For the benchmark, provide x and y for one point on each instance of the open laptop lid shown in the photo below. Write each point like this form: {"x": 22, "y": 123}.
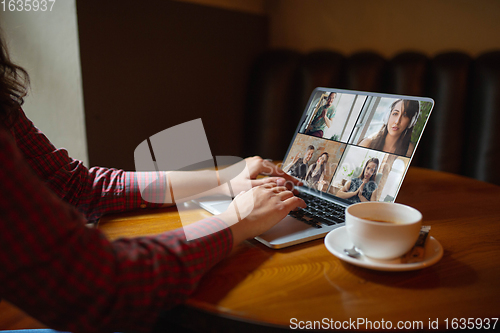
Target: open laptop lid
{"x": 345, "y": 135}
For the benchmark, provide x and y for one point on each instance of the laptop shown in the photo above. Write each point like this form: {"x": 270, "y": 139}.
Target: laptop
{"x": 349, "y": 146}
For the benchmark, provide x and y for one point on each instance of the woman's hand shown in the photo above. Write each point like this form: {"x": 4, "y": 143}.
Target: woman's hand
{"x": 253, "y": 212}
{"x": 241, "y": 176}
{"x": 256, "y": 166}
{"x": 360, "y": 190}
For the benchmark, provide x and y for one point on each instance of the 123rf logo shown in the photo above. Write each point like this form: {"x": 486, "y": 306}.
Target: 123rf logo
{"x": 27, "y": 5}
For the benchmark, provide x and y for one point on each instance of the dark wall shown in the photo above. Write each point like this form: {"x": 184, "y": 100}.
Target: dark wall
{"x": 147, "y": 66}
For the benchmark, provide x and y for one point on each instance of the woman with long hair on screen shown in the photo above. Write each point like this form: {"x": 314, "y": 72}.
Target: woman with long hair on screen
{"x": 316, "y": 172}
{"x": 395, "y": 134}
{"x": 364, "y": 187}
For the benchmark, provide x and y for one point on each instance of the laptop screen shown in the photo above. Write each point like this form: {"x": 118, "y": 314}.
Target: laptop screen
{"x": 355, "y": 145}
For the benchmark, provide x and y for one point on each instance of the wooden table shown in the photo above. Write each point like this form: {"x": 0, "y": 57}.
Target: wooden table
{"x": 263, "y": 286}
{"x": 258, "y": 286}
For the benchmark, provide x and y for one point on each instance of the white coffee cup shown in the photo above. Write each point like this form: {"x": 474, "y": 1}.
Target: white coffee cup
{"x": 382, "y": 230}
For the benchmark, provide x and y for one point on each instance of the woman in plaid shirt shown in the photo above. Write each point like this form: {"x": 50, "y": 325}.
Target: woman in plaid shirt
{"x": 73, "y": 278}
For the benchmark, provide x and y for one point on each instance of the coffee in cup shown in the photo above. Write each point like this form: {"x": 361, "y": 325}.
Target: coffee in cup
{"x": 382, "y": 230}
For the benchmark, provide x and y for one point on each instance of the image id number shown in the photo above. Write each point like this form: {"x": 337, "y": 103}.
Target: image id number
{"x": 471, "y": 323}
{"x": 27, "y": 5}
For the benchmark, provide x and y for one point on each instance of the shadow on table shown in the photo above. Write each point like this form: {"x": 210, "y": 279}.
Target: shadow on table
{"x": 185, "y": 319}
{"x": 440, "y": 274}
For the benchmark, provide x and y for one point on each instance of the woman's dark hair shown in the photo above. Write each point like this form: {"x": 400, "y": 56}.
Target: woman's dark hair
{"x": 374, "y": 160}
{"x": 410, "y": 109}
{"x": 14, "y": 82}
{"x": 323, "y": 166}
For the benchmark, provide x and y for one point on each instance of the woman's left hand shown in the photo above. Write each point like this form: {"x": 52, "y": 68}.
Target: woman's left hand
{"x": 256, "y": 166}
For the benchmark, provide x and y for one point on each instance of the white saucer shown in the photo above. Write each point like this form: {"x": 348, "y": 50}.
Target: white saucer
{"x": 337, "y": 240}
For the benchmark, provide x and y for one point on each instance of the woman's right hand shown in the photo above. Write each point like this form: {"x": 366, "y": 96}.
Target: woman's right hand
{"x": 360, "y": 190}
{"x": 253, "y": 212}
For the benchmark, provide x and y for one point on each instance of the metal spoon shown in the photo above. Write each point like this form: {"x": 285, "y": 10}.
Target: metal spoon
{"x": 352, "y": 252}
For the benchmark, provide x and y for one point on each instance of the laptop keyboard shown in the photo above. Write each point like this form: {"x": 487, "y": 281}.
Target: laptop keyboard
{"x": 319, "y": 212}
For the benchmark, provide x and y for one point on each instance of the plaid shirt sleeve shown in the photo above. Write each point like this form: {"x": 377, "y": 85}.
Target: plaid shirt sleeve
{"x": 93, "y": 191}
{"x": 72, "y": 277}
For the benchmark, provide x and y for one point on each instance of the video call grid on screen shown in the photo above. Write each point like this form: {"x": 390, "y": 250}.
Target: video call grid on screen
{"x": 361, "y": 130}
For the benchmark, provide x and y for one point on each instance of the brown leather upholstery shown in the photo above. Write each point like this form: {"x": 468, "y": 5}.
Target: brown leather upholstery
{"x": 482, "y": 156}
{"x": 462, "y": 134}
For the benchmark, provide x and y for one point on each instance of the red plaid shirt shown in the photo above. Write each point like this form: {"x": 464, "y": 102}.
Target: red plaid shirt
{"x": 69, "y": 276}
